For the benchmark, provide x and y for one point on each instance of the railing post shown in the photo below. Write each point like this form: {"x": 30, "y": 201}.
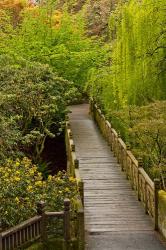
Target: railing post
{"x": 67, "y": 221}
{"x": 118, "y": 149}
{"x": 91, "y": 106}
{"x": 81, "y": 190}
{"x": 123, "y": 159}
{"x": 1, "y": 226}
{"x": 146, "y": 198}
{"x": 70, "y": 135}
{"x": 43, "y": 228}
{"x": 156, "y": 202}
{"x": 72, "y": 147}
{"x": 0, "y": 241}
{"x": 81, "y": 231}
{"x": 76, "y": 164}
{"x": 127, "y": 167}
{"x": 140, "y": 165}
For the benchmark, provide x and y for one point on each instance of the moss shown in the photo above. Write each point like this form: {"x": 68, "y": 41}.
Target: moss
{"x": 53, "y": 244}
{"x": 162, "y": 200}
{"x": 162, "y": 212}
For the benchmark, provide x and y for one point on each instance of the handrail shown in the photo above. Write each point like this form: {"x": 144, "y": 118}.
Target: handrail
{"x": 73, "y": 163}
{"x": 35, "y": 228}
{"x": 73, "y": 170}
{"x": 147, "y": 190}
{"x": 21, "y": 226}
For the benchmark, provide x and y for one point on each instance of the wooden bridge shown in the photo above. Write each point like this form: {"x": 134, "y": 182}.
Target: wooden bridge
{"x": 114, "y": 218}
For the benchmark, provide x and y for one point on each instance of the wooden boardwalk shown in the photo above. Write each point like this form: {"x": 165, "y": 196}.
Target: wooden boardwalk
{"x": 114, "y": 218}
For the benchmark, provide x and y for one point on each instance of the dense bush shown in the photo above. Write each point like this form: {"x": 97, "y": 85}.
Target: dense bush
{"x": 144, "y": 129}
{"x": 31, "y": 105}
{"x": 21, "y": 187}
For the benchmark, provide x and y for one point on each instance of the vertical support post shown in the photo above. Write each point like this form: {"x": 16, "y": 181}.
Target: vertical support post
{"x": 91, "y": 106}
{"x": 122, "y": 158}
{"x": 140, "y": 165}
{"x": 81, "y": 231}
{"x": 1, "y": 226}
{"x": 156, "y": 202}
{"x": 0, "y": 241}
{"x": 127, "y": 167}
{"x": 72, "y": 147}
{"x": 111, "y": 136}
{"x": 43, "y": 228}
{"x": 114, "y": 144}
{"x": 146, "y": 198}
{"x": 76, "y": 164}
{"x": 67, "y": 221}
{"x": 81, "y": 191}
{"x": 119, "y": 149}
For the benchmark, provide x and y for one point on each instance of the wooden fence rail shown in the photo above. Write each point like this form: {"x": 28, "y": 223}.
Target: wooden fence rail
{"x": 73, "y": 169}
{"x": 35, "y": 228}
{"x": 147, "y": 190}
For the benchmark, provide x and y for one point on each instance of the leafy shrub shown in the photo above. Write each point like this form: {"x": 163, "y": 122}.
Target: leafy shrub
{"x": 33, "y": 101}
{"x": 144, "y": 129}
{"x": 21, "y": 187}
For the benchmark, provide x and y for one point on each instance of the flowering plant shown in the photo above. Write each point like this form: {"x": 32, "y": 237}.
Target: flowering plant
{"x": 22, "y": 187}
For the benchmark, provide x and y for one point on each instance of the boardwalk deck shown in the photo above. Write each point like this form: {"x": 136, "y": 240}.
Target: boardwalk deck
{"x": 114, "y": 219}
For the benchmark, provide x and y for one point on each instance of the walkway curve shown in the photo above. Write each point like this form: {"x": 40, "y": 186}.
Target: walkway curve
{"x": 114, "y": 219}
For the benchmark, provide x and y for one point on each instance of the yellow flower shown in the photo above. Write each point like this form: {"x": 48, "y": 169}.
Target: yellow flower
{"x": 16, "y": 178}
{"x": 38, "y": 183}
{"x": 6, "y": 174}
{"x": 29, "y": 188}
{"x": 44, "y": 184}
{"x": 67, "y": 189}
{"x": 17, "y": 200}
{"x": 72, "y": 179}
{"x": 31, "y": 171}
{"x": 49, "y": 177}
{"x": 59, "y": 180}
{"x": 17, "y": 163}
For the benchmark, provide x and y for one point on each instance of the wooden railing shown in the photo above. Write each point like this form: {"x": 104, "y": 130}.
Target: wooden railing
{"x": 35, "y": 229}
{"x": 73, "y": 169}
{"x": 147, "y": 190}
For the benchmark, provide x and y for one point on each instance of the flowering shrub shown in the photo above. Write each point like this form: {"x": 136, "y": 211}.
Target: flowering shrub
{"x": 57, "y": 188}
{"x": 21, "y": 187}
{"x": 33, "y": 100}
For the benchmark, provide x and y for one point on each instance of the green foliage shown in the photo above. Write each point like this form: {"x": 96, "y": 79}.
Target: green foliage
{"x": 21, "y": 187}
{"x": 145, "y": 129}
{"x": 49, "y": 36}
{"x": 31, "y": 104}
{"x": 139, "y": 51}
{"x": 138, "y": 42}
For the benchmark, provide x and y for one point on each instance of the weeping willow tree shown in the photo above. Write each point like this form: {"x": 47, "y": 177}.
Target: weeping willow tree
{"x": 137, "y": 72}
{"x": 139, "y": 51}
